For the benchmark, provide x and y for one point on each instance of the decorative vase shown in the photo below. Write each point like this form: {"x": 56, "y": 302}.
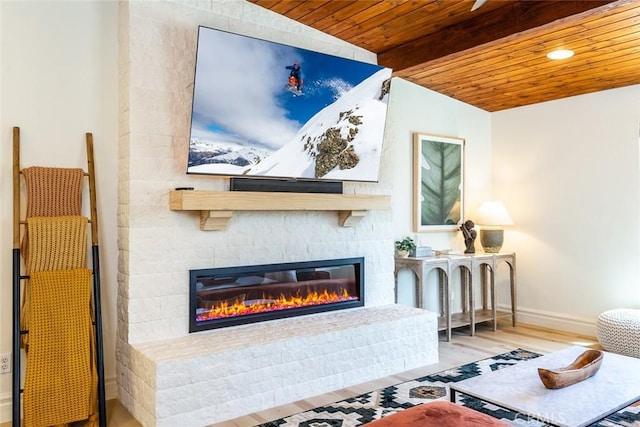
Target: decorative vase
{"x": 491, "y": 239}
{"x": 402, "y": 253}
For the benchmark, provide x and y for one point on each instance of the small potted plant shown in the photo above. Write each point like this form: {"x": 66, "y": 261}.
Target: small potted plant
{"x": 405, "y": 246}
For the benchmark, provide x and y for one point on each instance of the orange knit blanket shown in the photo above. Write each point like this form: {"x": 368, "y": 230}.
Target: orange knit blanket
{"x": 53, "y": 191}
{"x": 60, "y": 381}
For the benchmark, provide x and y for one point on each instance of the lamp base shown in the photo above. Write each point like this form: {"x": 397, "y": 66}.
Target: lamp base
{"x": 491, "y": 240}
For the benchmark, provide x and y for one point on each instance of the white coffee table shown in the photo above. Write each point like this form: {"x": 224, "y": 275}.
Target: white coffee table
{"x": 519, "y": 389}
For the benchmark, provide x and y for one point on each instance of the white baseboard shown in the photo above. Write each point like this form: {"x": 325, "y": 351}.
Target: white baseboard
{"x": 110, "y": 391}
{"x": 557, "y": 321}
{"x": 110, "y": 388}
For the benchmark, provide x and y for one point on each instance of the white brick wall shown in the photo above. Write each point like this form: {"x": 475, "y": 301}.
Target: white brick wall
{"x": 158, "y": 246}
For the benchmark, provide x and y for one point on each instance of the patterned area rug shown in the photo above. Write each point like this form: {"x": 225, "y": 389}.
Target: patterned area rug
{"x": 379, "y": 403}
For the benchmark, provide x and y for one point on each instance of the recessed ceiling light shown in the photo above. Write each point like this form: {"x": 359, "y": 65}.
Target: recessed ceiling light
{"x": 560, "y": 54}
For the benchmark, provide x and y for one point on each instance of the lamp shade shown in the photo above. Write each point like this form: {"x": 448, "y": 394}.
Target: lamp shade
{"x": 493, "y": 213}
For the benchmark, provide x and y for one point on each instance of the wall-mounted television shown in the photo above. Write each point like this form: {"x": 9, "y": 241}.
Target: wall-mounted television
{"x": 267, "y": 110}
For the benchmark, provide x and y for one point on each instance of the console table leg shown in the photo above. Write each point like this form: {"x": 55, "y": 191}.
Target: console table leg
{"x": 483, "y": 277}
{"x": 447, "y": 306}
{"x": 513, "y": 294}
{"x": 419, "y": 286}
{"x": 395, "y": 287}
{"x": 472, "y": 310}
{"x": 494, "y": 300}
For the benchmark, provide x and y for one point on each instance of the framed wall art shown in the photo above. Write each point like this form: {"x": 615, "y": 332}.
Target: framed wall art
{"x": 438, "y": 182}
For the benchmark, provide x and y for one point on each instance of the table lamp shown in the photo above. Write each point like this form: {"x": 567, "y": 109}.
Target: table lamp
{"x": 492, "y": 215}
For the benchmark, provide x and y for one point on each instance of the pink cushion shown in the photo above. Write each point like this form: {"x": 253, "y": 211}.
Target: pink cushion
{"x": 437, "y": 414}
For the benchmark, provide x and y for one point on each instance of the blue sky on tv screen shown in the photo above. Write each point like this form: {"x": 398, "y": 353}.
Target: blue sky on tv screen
{"x": 239, "y": 91}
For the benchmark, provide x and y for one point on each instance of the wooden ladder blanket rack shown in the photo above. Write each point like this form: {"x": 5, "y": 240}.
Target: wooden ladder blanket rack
{"x": 52, "y": 267}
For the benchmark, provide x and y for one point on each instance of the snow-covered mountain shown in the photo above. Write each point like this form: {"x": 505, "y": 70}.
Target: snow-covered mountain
{"x": 342, "y": 142}
{"x": 225, "y": 158}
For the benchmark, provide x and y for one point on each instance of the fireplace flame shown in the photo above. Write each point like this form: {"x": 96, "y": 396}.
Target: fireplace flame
{"x": 268, "y": 304}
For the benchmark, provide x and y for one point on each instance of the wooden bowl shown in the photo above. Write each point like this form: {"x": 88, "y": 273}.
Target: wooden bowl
{"x": 586, "y": 365}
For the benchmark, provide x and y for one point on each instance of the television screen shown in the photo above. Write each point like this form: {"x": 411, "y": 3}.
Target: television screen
{"x": 264, "y": 109}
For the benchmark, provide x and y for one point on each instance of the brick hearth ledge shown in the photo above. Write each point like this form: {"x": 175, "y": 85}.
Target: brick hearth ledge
{"x": 217, "y": 375}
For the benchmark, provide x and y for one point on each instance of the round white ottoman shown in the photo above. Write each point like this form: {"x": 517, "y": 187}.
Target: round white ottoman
{"x": 619, "y": 331}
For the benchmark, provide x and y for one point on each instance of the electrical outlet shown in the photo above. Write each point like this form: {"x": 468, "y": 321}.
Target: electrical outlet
{"x": 5, "y": 363}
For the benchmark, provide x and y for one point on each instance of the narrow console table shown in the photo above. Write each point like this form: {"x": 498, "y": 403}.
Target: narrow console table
{"x": 481, "y": 266}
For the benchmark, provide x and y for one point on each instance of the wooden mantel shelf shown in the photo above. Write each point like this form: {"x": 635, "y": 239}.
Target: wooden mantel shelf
{"x": 217, "y": 207}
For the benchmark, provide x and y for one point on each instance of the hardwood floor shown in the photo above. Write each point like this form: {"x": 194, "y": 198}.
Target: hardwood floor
{"x": 462, "y": 349}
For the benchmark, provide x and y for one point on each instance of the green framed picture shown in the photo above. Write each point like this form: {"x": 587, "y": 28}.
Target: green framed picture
{"x": 438, "y": 172}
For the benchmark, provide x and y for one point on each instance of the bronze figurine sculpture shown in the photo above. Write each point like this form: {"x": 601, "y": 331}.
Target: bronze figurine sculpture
{"x": 469, "y": 235}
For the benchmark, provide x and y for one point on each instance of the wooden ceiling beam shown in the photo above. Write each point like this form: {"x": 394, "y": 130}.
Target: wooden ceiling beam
{"x": 513, "y": 18}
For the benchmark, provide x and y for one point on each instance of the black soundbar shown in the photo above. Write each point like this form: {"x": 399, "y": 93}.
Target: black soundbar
{"x": 285, "y": 185}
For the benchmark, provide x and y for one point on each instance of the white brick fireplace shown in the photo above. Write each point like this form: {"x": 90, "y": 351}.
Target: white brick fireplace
{"x": 163, "y": 371}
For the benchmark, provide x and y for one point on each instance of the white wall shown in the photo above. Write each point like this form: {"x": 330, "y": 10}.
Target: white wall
{"x": 568, "y": 171}
{"x": 416, "y": 109}
{"x": 58, "y": 63}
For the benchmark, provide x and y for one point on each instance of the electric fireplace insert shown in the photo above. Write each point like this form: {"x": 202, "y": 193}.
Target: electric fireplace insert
{"x": 227, "y": 296}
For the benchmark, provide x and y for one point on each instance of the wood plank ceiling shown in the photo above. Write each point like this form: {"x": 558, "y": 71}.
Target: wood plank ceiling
{"x": 494, "y": 57}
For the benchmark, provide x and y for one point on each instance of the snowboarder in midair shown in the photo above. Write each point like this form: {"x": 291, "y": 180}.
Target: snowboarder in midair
{"x": 295, "y": 76}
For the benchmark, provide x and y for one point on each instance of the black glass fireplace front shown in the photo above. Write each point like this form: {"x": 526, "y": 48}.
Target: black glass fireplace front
{"x": 228, "y": 296}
